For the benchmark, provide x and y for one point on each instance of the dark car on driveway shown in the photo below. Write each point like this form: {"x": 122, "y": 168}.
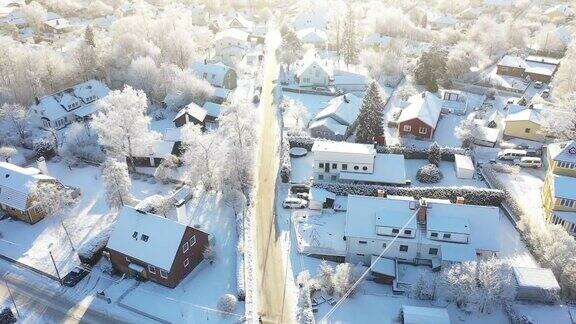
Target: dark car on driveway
{"x": 75, "y": 276}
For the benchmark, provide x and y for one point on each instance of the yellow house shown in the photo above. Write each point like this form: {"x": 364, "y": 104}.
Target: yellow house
{"x": 524, "y": 122}
{"x": 559, "y": 200}
{"x": 562, "y": 158}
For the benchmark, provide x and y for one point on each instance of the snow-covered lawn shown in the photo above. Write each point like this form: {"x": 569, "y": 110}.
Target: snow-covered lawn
{"x": 302, "y": 168}
{"x": 31, "y": 244}
{"x": 314, "y": 103}
{"x": 526, "y": 187}
{"x": 448, "y": 171}
{"x": 196, "y": 297}
{"x": 507, "y": 81}
{"x": 319, "y": 233}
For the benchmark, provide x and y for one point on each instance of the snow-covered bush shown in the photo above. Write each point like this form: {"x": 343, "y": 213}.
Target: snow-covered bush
{"x": 326, "y": 277}
{"x": 503, "y": 168}
{"x": 82, "y": 143}
{"x": 156, "y": 204}
{"x": 429, "y": 173}
{"x": 44, "y": 147}
{"x": 424, "y": 288}
{"x": 6, "y": 152}
{"x": 227, "y": 303}
{"x": 49, "y": 197}
{"x": 209, "y": 252}
{"x": 116, "y": 183}
{"x": 6, "y": 316}
{"x": 434, "y": 154}
{"x": 472, "y": 195}
{"x": 91, "y": 251}
{"x": 167, "y": 169}
{"x": 286, "y": 165}
{"x": 304, "y": 315}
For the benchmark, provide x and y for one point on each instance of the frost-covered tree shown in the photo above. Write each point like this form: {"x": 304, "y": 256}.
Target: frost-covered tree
{"x": 122, "y": 123}
{"x": 49, "y": 198}
{"x": 117, "y": 183}
{"x": 371, "y": 116}
{"x": 350, "y": 50}
{"x": 35, "y": 15}
{"x": 467, "y": 131}
{"x": 167, "y": 169}
{"x": 305, "y": 314}
{"x": 326, "y": 277}
{"x": 564, "y": 82}
{"x": 431, "y": 68}
{"x": 345, "y": 277}
{"x": 7, "y": 152}
{"x": 434, "y": 154}
{"x": 560, "y": 120}
{"x": 462, "y": 57}
{"x": 424, "y": 288}
{"x": 227, "y": 303}
{"x": 290, "y": 50}
{"x": 14, "y": 121}
{"x": 295, "y": 115}
{"x": 202, "y": 156}
{"x": 81, "y": 142}
{"x": 98, "y": 9}
{"x": 143, "y": 74}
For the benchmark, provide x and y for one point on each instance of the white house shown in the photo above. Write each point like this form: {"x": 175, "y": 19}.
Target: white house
{"x": 314, "y": 72}
{"x": 230, "y": 45}
{"x": 430, "y": 231}
{"x": 464, "y": 166}
{"x": 443, "y": 21}
{"x": 535, "y": 284}
{"x": 349, "y": 81}
{"x": 73, "y": 104}
{"x": 356, "y": 163}
{"x": 217, "y": 74}
{"x": 377, "y": 41}
{"x": 311, "y": 19}
{"x": 313, "y": 36}
{"x": 240, "y": 22}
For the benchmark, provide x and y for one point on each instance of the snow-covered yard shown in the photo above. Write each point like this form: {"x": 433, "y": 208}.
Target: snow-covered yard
{"x": 448, "y": 170}
{"x": 314, "y": 103}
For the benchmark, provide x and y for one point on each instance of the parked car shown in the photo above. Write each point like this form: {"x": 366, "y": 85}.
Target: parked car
{"x": 303, "y": 195}
{"x": 292, "y": 203}
{"x": 511, "y": 154}
{"x": 538, "y": 85}
{"x": 299, "y": 188}
{"x": 74, "y": 276}
{"x": 545, "y": 93}
{"x": 529, "y": 162}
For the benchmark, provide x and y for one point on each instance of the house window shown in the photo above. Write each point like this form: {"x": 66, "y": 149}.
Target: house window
{"x": 407, "y": 128}
{"x": 321, "y": 165}
{"x": 185, "y": 247}
{"x": 395, "y": 231}
{"x": 186, "y": 263}
{"x": 333, "y": 177}
{"x": 446, "y": 236}
{"x": 193, "y": 240}
{"x": 423, "y": 130}
{"x": 334, "y": 166}
{"x": 144, "y": 237}
{"x": 365, "y": 168}
{"x": 356, "y": 167}
{"x": 135, "y": 235}
{"x": 433, "y": 234}
{"x": 152, "y": 269}
{"x": 163, "y": 274}
{"x": 407, "y": 232}
{"x": 344, "y": 167}
{"x": 362, "y": 242}
{"x": 527, "y": 130}
{"x": 320, "y": 177}
{"x": 403, "y": 248}
{"x": 433, "y": 251}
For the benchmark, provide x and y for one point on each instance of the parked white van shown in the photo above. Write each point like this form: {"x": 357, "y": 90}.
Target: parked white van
{"x": 529, "y": 162}
{"x": 292, "y": 202}
{"x": 511, "y": 154}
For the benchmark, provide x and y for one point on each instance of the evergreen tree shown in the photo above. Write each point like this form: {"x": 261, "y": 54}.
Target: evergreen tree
{"x": 350, "y": 39}
{"x": 291, "y": 47}
{"x": 371, "y": 115}
{"x": 431, "y": 68}
{"x": 434, "y": 154}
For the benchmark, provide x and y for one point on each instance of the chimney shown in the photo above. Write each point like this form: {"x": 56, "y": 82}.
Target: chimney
{"x": 460, "y": 200}
{"x": 37, "y": 100}
{"x": 150, "y": 148}
{"x": 381, "y": 193}
{"x": 181, "y": 213}
{"x": 41, "y": 163}
{"x": 422, "y": 212}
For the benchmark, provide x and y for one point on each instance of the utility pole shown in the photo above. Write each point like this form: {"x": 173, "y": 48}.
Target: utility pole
{"x": 12, "y": 297}
{"x": 55, "y": 267}
{"x": 67, "y": 234}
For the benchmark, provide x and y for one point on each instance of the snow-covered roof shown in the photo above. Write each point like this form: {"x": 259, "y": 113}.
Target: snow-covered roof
{"x": 470, "y": 12}
{"x": 158, "y": 149}
{"x": 383, "y": 266}
{"x": 542, "y": 68}
{"x": 543, "y": 59}
{"x": 425, "y": 107}
{"x": 16, "y": 183}
{"x": 212, "y": 109}
{"x": 311, "y": 18}
{"x": 182, "y": 194}
{"x": 80, "y": 99}
{"x": 521, "y": 113}
{"x": 563, "y": 151}
{"x": 233, "y": 33}
{"x": 564, "y": 187}
{"x": 388, "y": 168}
{"x": 444, "y": 20}
{"x": 311, "y": 62}
{"x": 193, "y": 110}
{"x": 349, "y": 78}
{"x": 448, "y": 224}
{"x": 536, "y": 277}
{"x": 562, "y": 9}
{"x": 463, "y": 162}
{"x": 343, "y": 147}
{"x": 319, "y": 194}
{"x": 563, "y": 34}
{"x": 344, "y": 109}
{"x": 331, "y": 124}
{"x": 425, "y": 315}
{"x": 312, "y": 35}
{"x": 214, "y": 73}
{"x": 512, "y": 61}
{"x": 376, "y": 39}
{"x": 58, "y": 24}
{"x": 458, "y": 253}
{"x": 173, "y": 134}
{"x": 241, "y": 21}
{"x": 129, "y": 237}
{"x": 498, "y": 3}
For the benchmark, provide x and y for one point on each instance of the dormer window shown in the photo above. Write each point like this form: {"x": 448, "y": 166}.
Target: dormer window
{"x": 135, "y": 235}
{"x": 144, "y": 237}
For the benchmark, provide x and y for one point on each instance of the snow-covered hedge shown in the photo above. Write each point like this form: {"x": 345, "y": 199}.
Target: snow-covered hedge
{"x": 286, "y": 166}
{"x": 227, "y": 303}
{"x": 6, "y": 316}
{"x": 429, "y": 173}
{"x": 410, "y": 153}
{"x": 472, "y": 195}
{"x": 240, "y": 262}
{"x": 91, "y": 251}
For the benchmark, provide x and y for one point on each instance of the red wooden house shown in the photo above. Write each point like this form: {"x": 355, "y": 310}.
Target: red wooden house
{"x": 420, "y": 117}
{"x": 155, "y": 248}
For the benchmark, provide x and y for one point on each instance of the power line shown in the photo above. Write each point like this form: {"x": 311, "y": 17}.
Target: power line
{"x": 349, "y": 291}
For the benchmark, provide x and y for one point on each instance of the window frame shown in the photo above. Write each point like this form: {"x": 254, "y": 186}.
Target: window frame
{"x": 403, "y": 248}
{"x": 407, "y": 128}
{"x": 193, "y": 238}
{"x": 163, "y": 273}
{"x": 186, "y": 262}
{"x": 151, "y": 269}
{"x": 185, "y": 247}
{"x": 423, "y": 131}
